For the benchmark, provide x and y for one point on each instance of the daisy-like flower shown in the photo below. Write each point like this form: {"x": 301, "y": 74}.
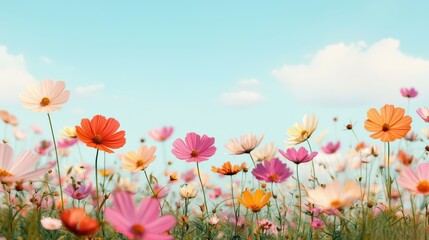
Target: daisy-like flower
{"x": 142, "y": 222}
{"x": 297, "y": 157}
{"x": 78, "y": 222}
{"x": 245, "y": 144}
{"x": 46, "y": 97}
{"x": 66, "y": 143}
{"x": 302, "y": 131}
{"x": 266, "y": 152}
{"x": 331, "y": 147}
{"x": 335, "y": 195}
{"x": 51, "y": 223}
{"x": 188, "y": 191}
{"x": 424, "y": 113}
{"x": 161, "y": 134}
{"x": 21, "y": 168}
{"x": 138, "y": 161}
{"x": 69, "y": 132}
{"x": 256, "y": 201}
{"x": 195, "y": 148}
{"x": 228, "y": 169}
{"x": 101, "y": 133}
{"x": 272, "y": 171}
{"x": 160, "y": 191}
{"x": 78, "y": 192}
{"x": 409, "y": 92}
{"x": 416, "y": 181}
{"x": 389, "y": 124}
{"x": 8, "y": 118}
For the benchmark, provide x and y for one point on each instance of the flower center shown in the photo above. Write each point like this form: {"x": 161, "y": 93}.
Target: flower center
{"x": 335, "y": 203}
{"x": 304, "y": 134}
{"x": 194, "y": 153}
{"x": 45, "y": 102}
{"x": 97, "y": 139}
{"x": 274, "y": 177}
{"x": 4, "y": 173}
{"x": 385, "y": 127}
{"x": 423, "y": 186}
{"x": 255, "y": 207}
{"x": 137, "y": 229}
{"x": 139, "y": 163}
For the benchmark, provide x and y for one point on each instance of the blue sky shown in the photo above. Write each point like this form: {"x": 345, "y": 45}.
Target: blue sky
{"x": 150, "y": 64}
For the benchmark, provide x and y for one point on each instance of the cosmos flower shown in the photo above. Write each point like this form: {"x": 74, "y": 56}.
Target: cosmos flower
{"x": 423, "y": 113}
{"x": 195, "y": 148}
{"x": 188, "y": 191}
{"x": 101, "y": 133}
{"x": 416, "y": 181}
{"x": 389, "y": 124}
{"x": 142, "y": 222}
{"x": 19, "y": 134}
{"x": 272, "y": 171}
{"x": 334, "y": 195}
{"x": 161, "y": 134}
{"x": 51, "y": 223}
{"x": 78, "y": 222}
{"x": 228, "y": 169}
{"x": 256, "y": 201}
{"x": 79, "y": 191}
{"x": 189, "y": 176}
{"x": 160, "y": 191}
{"x": 409, "y": 92}
{"x": 21, "y": 168}
{"x": 69, "y": 132}
{"x": 125, "y": 184}
{"x": 66, "y": 143}
{"x": 8, "y": 118}
{"x": 266, "y": 152}
{"x": 331, "y": 147}
{"x": 302, "y": 131}
{"x": 46, "y": 97}
{"x": 245, "y": 144}
{"x": 138, "y": 161}
{"x": 297, "y": 157}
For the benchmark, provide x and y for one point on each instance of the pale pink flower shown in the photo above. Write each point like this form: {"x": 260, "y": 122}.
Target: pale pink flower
{"x": 213, "y": 220}
{"x": 409, "y": 92}
{"x": 46, "y": 97}
{"x": 331, "y": 147}
{"x": 36, "y": 129}
{"x": 424, "y": 113}
{"x": 195, "y": 148}
{"x": 245, "y": 144}
{"x": 44, "y": 147}
{"x": 78, "y": 191}
{"x": 335, "y": 195}
{"x": 416, "y": 181}
{"x": 142, "y": 222}
{"x": 21, "y": 168}
{"x": 19, "y": 134}
{"x": 51, "y": 223}
{"x": 188, "y": 176}
{"x": 161, "y": 134}
{"x": 266, "y": 152}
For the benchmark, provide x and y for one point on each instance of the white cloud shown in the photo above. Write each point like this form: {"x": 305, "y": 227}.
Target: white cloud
{"x": 14, "y": 77}
{"x": 90, "y": 90}
{"x": 241, "y": 99}
{"x": 46, "y": 60}
{"x": 248, "y": 83}
{"x": 355, "y": 73}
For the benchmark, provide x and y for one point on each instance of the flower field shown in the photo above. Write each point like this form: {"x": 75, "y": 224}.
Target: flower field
{"x": 305, "y": 188}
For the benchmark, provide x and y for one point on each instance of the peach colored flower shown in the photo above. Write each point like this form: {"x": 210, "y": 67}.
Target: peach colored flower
{"x": 245, "y": 144}
{"x": 8, "y": 118}
{"x": 138, "y": 161}
{"x": 46, "y": 97}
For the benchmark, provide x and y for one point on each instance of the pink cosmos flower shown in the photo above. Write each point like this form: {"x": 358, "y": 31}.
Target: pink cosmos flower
{"x": 46, "y": 97}
{"x": 79, "y": 191}
{"x": 19, "y": 134}
{"x": 160, "y": 191}
{"x": 43, "y": 148}
{"x": 65, "y": 143}
{"x": 317, "y": 224}
{"x": 297, "y": 157}
{"x": 331, "y": 148}
{"x": 36, "y": 129}
{"x": 195, "y": 148}
{"x": 21, "y": 168}
{"x": 161, "y": 134}
{"x": 51, "y": 223}
{"x": 188, "y": 176}
{"x": 416, "y": 181}
{"x": 142, "y": 222}
{"x": 424, "y": 113}
{"x": 409, "y": 92}
{"x": 272, "y": 171}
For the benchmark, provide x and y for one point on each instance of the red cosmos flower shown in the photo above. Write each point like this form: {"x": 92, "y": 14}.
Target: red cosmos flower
{"x": 77, "y": 222}
{"x": 101, "y": 133}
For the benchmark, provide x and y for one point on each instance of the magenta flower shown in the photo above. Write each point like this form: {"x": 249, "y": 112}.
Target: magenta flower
{"x": 43, "y": 148}
{"x": 79, "y": 191}
{"x": 65, "y": 143}
{"x": 424, "y": 113}
{"x": 161, "y": 134}
{"x": 331, "y": 148}
{"x": 409, "y": 92}
{"x": 300, "y": 156}
{"x": 272, "y": 171}
{"x": 141, "y": 222}
{"x": 194, "y": 148}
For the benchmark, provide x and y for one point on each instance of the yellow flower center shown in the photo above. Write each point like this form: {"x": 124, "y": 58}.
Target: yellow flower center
{"x": 274, "y": 177}
{"x": 336, "y": 203}
{"x": 45, "y": 102}
{"x": 385, "y": 127}
{"x": 4, "y": 173}
{"x": 97, "y": 139}
{"x": 194, "y": 153}
{"x": 304, "y": 134}
{"x": 423, "y": 186}
{"x": 137, "y": 229}
{"x": 139, "y": 163}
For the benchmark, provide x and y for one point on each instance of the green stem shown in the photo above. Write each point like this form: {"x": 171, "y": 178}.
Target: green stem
{"x": 58, "y": 163}
{"x": 278, "y": 210}
{"x": 389, "y": 182}
{"x": 300, "y": 196}
{"x": 233, "y": 205}
{"x": 312, "y": 166}
{"x": 96, "y": 184}
{"x": 204, "y": 195}
{"x": 151, "y": 189}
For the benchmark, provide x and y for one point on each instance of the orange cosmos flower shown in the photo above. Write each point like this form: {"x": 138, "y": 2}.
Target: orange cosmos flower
{"x": 228, "y": 169}
{"x": 101, "y": 133}
{"x": 78, "y": 222}
{"x": 389, "y": 124}
{"x": 255, "y": 202}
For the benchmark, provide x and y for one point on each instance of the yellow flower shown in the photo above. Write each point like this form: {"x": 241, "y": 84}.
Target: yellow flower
{"x": 302, "y": 131}
{"x": 255, "y": 202}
